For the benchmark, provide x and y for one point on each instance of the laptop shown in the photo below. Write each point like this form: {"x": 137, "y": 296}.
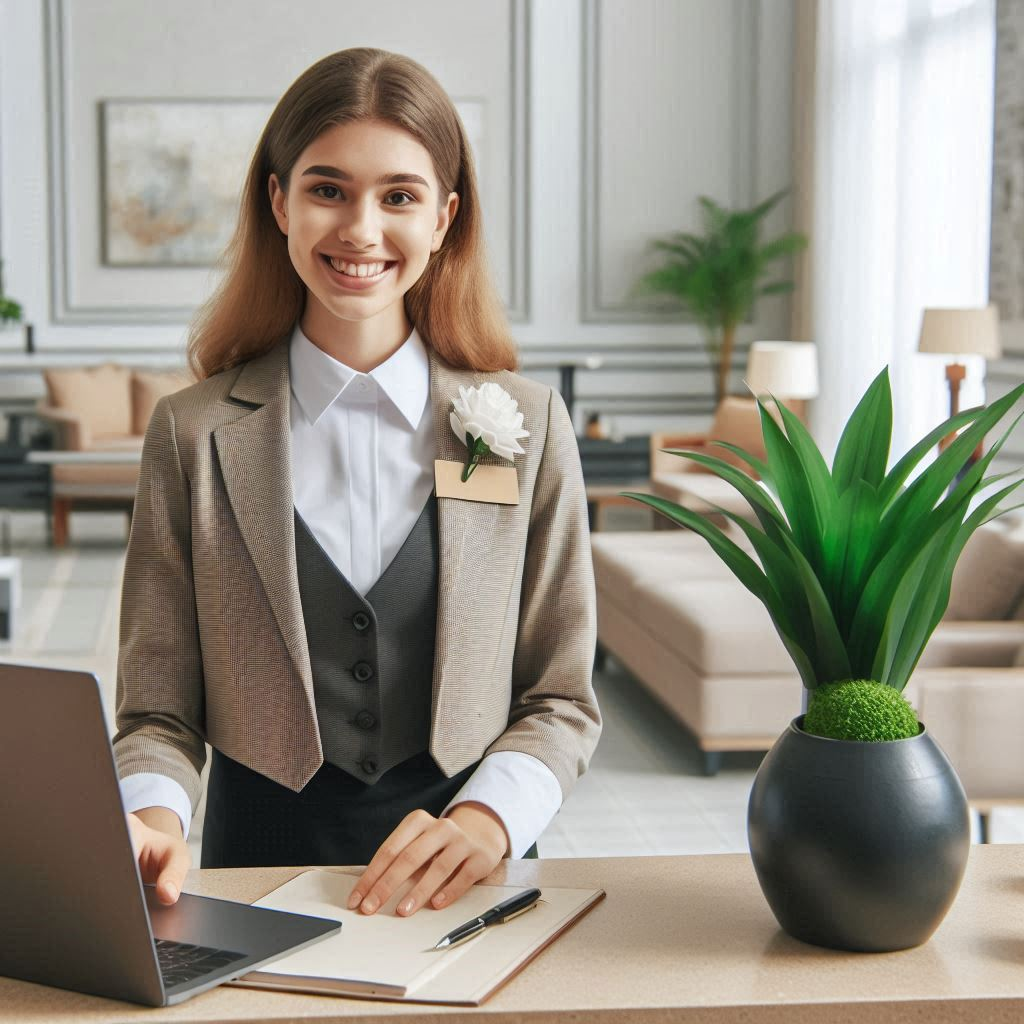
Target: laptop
{"x": 75, "y": 911}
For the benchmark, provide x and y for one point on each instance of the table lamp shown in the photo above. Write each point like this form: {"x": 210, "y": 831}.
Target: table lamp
{"x": 960, "y": 332}
{"x": 786, "y": 369}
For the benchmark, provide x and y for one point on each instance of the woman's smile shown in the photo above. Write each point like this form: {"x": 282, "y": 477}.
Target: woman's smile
{"x": 357, "y": 276}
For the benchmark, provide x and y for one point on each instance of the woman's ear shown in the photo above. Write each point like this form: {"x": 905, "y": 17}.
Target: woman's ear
{"x": 445, "y": 216}
{"x": 278, "y": 203}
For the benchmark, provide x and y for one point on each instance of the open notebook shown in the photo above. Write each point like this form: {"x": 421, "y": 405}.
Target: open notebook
{"x": 383, "y": 956}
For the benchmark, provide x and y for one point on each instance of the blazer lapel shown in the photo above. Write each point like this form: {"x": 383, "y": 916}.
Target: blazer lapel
{"x": 463, "y": 527}
{"x": 255, "y": 459}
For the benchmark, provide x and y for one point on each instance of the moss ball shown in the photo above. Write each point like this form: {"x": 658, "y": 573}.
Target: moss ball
{"x": 862, "y": 710}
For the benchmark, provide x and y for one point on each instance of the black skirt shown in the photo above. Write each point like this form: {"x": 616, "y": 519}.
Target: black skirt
{"x": 335, "y": 819}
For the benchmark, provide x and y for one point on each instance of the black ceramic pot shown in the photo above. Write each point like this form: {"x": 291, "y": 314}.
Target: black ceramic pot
{"x": 858, "y": 846}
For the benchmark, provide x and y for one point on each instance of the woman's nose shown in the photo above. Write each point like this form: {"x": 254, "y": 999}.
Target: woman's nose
{"x": 360, "y": 226}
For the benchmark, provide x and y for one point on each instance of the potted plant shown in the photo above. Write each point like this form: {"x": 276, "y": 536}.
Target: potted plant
{"x": 718, "y": 275}
{"x": 10, "y": 311}
{"x": 858, "y": 824}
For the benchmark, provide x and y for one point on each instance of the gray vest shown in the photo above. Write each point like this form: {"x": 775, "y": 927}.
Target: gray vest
{"x": 372, "y": 657}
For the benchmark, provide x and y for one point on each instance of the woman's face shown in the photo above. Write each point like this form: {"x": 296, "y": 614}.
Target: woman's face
{"x": 363, "y": 214}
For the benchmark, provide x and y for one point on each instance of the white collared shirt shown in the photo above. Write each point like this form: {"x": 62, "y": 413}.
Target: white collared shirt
{"x": 362, "y": 469}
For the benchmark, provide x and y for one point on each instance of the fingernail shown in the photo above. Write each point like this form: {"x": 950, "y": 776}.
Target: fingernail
{"x": 406, "y": 907}
{"x": 172, "y": 892}
{"x": 354, "y": 898}
{"x": 439, "y": 899}
{"x": 369, "y": 904}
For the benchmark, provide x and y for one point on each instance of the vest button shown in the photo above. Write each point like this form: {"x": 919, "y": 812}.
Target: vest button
{"x": 360, "y": 621}
{"x": 363, "y": 671}
{"x": 369, "y": 766}
{"x": 365, "y": 720}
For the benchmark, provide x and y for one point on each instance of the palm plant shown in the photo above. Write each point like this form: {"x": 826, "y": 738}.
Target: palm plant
{"x": 717, "y": 276}
{"x": 855, "y": 564}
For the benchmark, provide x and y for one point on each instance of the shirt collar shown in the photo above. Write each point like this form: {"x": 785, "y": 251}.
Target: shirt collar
{"x": 318, "y": 380}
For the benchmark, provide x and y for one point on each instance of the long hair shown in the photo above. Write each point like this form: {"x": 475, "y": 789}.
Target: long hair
{"x": 453, "y": 305}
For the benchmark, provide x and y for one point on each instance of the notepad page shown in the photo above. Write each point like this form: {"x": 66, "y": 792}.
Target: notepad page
{"x": 381, "y": 948}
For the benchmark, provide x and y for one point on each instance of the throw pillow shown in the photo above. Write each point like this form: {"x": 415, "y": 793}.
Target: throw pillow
{"x": 100, "y": 396}
{"x": 988, "y": 581}
{"x": 148, "y": 387}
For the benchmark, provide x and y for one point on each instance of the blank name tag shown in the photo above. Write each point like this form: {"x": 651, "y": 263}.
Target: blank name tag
{"x": 487, "y": 483}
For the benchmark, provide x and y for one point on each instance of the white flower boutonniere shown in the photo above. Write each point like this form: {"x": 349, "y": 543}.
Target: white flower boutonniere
{"x": 487, "y": 419}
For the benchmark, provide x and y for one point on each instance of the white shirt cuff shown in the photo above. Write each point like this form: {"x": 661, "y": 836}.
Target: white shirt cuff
{"x": 521, "y": 789}
{"x": 149, "y": 789}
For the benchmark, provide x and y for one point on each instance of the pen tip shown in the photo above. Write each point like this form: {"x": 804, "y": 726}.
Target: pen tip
{"x": 441, "y": 944}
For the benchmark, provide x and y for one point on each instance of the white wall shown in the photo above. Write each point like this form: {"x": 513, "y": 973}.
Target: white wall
{"x": 1007, "y": 265}
{"x": 605, "y": 120}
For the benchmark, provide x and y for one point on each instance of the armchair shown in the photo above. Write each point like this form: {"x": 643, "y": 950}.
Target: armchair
{"x": 688, "y": 484}
{"x": 100, "y": 410}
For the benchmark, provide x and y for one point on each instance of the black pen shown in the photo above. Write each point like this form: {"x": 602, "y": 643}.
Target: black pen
{"x": 503, "y": 912}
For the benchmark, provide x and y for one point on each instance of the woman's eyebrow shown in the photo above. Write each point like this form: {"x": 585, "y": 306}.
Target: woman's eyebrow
{"x": 403, "y": 177}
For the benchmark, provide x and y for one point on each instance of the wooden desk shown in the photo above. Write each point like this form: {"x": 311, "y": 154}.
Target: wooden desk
{"x": 680, "y": 939}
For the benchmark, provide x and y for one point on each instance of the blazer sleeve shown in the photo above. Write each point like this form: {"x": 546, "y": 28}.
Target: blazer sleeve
{"x": 554, "y": 714}
{"x": 160, "y": 698}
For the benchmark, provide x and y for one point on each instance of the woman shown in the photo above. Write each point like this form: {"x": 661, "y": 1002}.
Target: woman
{"x": 392, "y": 666}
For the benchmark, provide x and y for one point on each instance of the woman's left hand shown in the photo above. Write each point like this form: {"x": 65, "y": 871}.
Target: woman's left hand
{"x": 447, "y": 854}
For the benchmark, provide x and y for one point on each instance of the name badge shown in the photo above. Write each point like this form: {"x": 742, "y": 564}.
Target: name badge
{"x": 498, "y": 484}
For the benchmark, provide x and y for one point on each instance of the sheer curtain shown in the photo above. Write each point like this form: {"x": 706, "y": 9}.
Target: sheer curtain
{"x": 902, "y": 188}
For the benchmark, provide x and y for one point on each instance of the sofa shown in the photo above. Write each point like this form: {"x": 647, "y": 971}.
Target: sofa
{"x": 100, "y": 410}
{"x": 673, "y": 615}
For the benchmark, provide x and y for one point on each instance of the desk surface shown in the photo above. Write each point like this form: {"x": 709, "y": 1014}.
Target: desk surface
{"x": 681, "y": 939}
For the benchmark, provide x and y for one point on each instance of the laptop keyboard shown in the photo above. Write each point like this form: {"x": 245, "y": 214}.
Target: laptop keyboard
{"x": 180, "y": 962}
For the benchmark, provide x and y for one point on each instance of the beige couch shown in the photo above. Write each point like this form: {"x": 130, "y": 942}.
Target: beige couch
{"x": 100, "y": 410}
{"x": 676, "y": 618}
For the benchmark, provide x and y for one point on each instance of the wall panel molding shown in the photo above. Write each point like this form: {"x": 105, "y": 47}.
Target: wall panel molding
{"x": 67, "y": 309}
{"x": 596, "y": 307}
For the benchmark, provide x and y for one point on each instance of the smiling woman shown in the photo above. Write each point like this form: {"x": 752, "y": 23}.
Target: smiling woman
{"x": 297, "y": 591}
{"x": 361, "y": 245}
{"x": 347, "y": 133}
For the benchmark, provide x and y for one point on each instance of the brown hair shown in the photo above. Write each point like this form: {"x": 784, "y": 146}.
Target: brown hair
{"x": 453, "y": 305}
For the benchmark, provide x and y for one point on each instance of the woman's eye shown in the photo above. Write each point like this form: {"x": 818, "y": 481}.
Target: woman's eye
{"x": 403, "y": 196}
{"x": 316, "y": 191}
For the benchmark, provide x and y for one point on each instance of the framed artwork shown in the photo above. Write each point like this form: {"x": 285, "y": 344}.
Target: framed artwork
{"x": 171, "y": 176}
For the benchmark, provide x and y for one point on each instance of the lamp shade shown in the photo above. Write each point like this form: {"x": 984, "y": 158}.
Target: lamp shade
{"x": 963, "y": 332}
{"x": 785, "y": 369}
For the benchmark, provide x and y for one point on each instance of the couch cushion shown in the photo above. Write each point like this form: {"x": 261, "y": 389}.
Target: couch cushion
{"x": 988, "y": 581}
{"x": 148, "y": 387}
{"x": 717, "y": 625}
{"x": 626, "y": 559}
{"x": 100, "y": 396}
{"x": 702, "y": 492}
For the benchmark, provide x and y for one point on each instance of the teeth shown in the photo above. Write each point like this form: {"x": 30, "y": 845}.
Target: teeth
{"x": 359, "y": 269}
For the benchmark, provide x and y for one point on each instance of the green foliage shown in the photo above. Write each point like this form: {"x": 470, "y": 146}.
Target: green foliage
{"x": 717, "y": 275}
{"x": 9, "y": 309}
{"x": 860, "y": 709}
{"x": 855, "y": 565}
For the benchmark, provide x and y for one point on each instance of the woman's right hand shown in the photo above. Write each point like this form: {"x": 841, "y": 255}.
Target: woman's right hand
{"x": 163, "y": 855}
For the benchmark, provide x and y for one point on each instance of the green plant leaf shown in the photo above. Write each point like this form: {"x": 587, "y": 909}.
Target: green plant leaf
{"x": 792, "y": 487}
{"x": 982, "y": 419}
{"x": 759, "y": 467}
{"x": 863, "y": 449}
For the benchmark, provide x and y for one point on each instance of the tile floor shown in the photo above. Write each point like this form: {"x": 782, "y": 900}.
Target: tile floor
{"x": 644, "y": 793}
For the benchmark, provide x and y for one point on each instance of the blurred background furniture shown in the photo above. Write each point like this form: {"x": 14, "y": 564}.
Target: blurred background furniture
{"x": 23, "y": 485}
{"x": 672, "y": 614}
{"x": 101, "y": 412}
{"x": 785, "y": 370}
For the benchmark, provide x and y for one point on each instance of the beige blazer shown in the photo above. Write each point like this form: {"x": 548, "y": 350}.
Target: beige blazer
{"x": 212, "y": 644}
